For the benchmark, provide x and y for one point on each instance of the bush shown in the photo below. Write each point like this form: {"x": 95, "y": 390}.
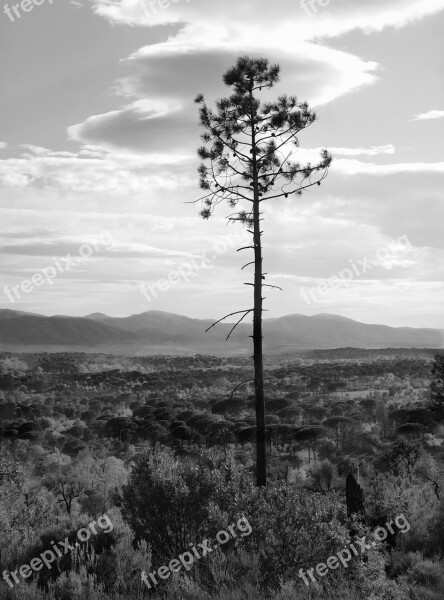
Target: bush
{"x": 427, "y": 573}
{"x": 172, "y": 503}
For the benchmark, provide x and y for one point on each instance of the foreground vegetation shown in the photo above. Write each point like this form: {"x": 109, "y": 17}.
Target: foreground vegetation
{"x": 162, "y": 446}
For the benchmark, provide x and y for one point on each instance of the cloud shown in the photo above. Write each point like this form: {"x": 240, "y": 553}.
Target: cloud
{"x": 208, "y": 41}
{"x": 3, "y": 145}
{"x": 137, "y": 127}
{"x": 247, "y": 15}
{"x": 92, "y": 170}
{"x": 171, "y": 73}
{"x": 356, "y": 167}
{"x": 103, "y": 246}
{"x": 312, "y": 155}
{"x": 318, "y": 73}
{"x": 37, "y": 232}
{"x": 431, "y": 114}
{"x": 373, "y": 151}
{"x": 210, "y": 38}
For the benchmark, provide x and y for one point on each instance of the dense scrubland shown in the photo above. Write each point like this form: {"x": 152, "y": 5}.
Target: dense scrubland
{"x": 164, "y": 447}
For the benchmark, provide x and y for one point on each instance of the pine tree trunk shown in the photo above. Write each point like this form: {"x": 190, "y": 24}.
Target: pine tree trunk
{"x": 261, "y": 455}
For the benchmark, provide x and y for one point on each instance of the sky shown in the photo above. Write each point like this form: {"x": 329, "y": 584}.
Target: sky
{"x": 98, "y": 164}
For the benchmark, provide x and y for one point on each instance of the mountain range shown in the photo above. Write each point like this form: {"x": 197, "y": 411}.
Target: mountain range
{"x": 157, "y": 332}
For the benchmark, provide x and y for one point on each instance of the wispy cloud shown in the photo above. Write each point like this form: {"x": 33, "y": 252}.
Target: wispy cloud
{"x": 311, "y": 154}
{"x": 369, "y": 16}
{"x": 431, "y": 114}
{"x": 373, "y": 151}
{"x": 92, "y": 170}
{"x": 356, "y": 167}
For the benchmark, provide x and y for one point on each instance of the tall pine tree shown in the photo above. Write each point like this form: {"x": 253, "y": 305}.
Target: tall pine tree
{"x": 248, "y": 159}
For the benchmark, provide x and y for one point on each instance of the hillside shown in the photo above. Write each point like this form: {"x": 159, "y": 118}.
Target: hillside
{"x": 155, "y": 331}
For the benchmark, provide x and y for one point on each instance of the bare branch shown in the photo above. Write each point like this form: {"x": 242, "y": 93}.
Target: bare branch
{"x": 248, "y": 264}
{"x": 230, "y": 315}
{"x": 236, "y": 388}
{"x": 234, "y": 327}
{"x": 272, "y": 286}
{"x": 299, "y": 189}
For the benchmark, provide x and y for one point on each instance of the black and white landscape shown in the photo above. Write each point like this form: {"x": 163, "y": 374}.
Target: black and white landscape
{"x": 221, "y": 322}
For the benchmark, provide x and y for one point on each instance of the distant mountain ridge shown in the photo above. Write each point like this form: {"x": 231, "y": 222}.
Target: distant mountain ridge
{"x": 319, "y": 331}
{"x": 158, "y": 332}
